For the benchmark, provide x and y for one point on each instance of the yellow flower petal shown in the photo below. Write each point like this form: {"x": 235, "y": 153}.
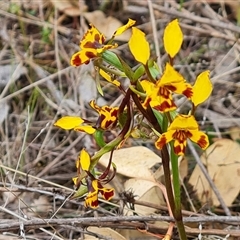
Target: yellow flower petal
{"x": 108, "y": 115}
{"x": 83, "y": 57}
{"x": 139, "y": 46}
{"x": 200, "y": 138}
{"x": 92, "y": 200}
{"x": 84, "y": 159}
{"x": 158, "y": 97}
{"x": 182, "y": 128}
{"x": 184, "y": 122}
{"x": 172, "y": 38}
{"x": 69, "y": 122}
{"x": 107, "y": 193}
{"x": 95, "y": 106}
{"x": 75, "y": 180}
{"x": 91, "y": 37}
{"x": 106, "y": 47}
{"x": 124, "y": 27}
{"x": 92, "y": 44}
{"x": 164, "y": 139}
{"x": 180, "y": 147}
{"x": 86, "y": 129}
{"x": 202, "y": 88}
{"x": 108, "y": 78}
{"x": 171, "y": 76}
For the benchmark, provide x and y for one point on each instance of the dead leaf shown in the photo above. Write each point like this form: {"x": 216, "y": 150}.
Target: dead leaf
{"x": 135, "y": 162}
{"x": 145, "y": 191}
{"x": 110, "y": 233}
{"x": 223, "y": 164}
{"x": 70, "y": 7}
{"x": 183, "y": 167}
{"x": 11, "y": 73}
{"x": 106, "y": 25}
{"x": 235, "y": 133}
{"x": 137, "y": 235}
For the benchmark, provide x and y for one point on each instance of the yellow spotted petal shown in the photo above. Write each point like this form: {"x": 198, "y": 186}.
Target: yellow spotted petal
{"x": 68, "y": 122}
{"x": 84, "y": 159}
{"x": 139, "y": 46}
{"x": 83, "y": 56}
{"x": 91, "y": 37}
{"x": 200, "y": 138}
{"x": 172, "y": 38}
{"x": 124, "y": 27}
{"x": 107, "y": 193}
{"x": 202, "y": 88}
{"x": 108, "y": 78}
{"x": 92, "y": 200}
{"x": 180, "y": 147}
{"x": 164, "y": 139}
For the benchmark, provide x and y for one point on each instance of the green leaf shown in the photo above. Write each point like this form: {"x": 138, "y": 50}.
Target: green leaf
{"x": 80, "y": 192}
{"x": 159, "y": 116}
{"x": 112, "y": 59}
{"x": 127, "y": 70}
{"x": 99, "y": 138}
{"x": 138, "y": 73}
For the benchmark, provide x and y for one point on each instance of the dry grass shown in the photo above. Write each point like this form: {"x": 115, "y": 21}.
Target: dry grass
{"x": 37, "y": 86}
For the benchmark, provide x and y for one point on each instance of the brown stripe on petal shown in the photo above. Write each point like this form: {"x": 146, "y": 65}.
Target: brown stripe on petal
{"x": 114, "y": 112}
{"x": 179, "y": 149}
{"x": 161, "y": 142}
{"x": 188, "y": 92}
{"x": 89, "y": 45}
{"x": 164, "y": 92}
{"x": 76, "y": 61}
{"x": 202, "y": 142}
{"x": 146, "y": 102}
{"x": 165, "y": 106}
{"x": 90, "y": 54}
{"x": 92, "y": 200}
{"x": 102, "y": 39}
{"x": 170, "y": 88}
{"x": 106, "y": 124}
{"x": 182, "y": 135}
{"x": 107, "y": 108}
{"x": 107, "y": 193}
{"x": 97, "y": 37}
{"x": 93, "y": 204}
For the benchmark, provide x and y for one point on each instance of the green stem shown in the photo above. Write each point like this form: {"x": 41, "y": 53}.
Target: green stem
{"x": 175, "y": 203}
{"x": 177, "y": 192}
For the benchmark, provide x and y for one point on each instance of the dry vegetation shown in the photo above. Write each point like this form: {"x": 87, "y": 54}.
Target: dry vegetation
{"x": 38, "y": 85}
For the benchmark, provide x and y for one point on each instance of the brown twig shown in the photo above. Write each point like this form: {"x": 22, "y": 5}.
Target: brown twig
{"x": 137, "y": 222}
{"x": 192, "y": 17}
